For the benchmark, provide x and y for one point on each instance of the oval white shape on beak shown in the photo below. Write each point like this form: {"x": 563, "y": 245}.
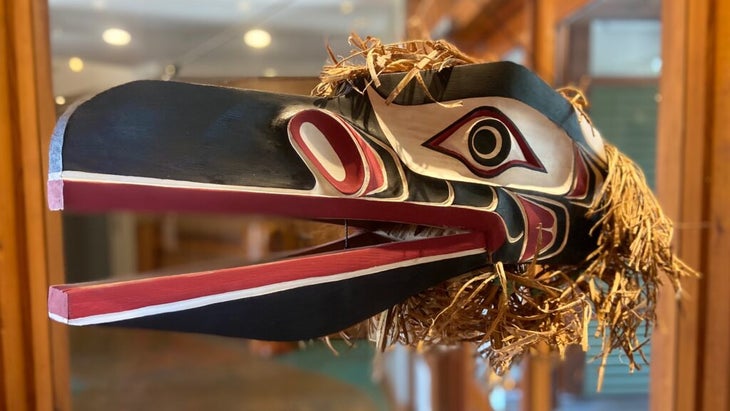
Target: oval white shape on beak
{"x": 330, "y": 149}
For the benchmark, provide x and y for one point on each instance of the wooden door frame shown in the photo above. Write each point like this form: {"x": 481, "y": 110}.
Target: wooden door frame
{"x": 690, "y": 361}
{"x": 33, "y": 353}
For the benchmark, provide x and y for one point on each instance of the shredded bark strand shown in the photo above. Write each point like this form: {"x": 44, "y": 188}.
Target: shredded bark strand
{"x": 370, "y": 58}
{"x": 509, "y": 311}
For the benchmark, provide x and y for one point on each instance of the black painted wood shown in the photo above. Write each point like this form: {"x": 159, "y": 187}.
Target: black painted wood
{"x": 187, "y": 132}
{"x": 312, "y": 311}
{"x": 204, "y": 134}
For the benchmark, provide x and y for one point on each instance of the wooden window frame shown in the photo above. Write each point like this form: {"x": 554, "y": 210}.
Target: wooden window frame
{"x": 691, "y": 363}
{"x": 33, "y": 353}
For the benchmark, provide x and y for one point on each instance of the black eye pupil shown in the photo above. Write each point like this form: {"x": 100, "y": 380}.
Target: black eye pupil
{"x": 484, "y": 141}
{"x": 489, "y": 142}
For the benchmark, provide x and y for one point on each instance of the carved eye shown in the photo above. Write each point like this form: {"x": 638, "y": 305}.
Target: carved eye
{"x": 487, "y": 142}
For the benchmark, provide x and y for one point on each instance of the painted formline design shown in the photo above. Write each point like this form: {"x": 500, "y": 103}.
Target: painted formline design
{"x": 93, "y": 194}
{"x": 71, "y": 176}
{"x": 60, "y": 297}
{"x": 83, "y": 176}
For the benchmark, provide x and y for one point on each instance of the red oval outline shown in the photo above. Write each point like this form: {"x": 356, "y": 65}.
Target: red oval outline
{"x": 342, "y": 141}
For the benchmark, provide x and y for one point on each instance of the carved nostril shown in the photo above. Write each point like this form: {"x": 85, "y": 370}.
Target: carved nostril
{"x": 329, "y": 148}
{"x": 322, "y": 150}
{"x": 336, "y": 152}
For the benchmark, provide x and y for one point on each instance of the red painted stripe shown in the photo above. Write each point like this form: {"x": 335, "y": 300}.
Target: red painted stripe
{"x": 78, "y": 301}
{"x": 531, "y": 161}
{"x": 538, "y": 217}
{"x": 377, "y": 173}
{"x": 342, "y": 141}
{"x": 91, "y": 196}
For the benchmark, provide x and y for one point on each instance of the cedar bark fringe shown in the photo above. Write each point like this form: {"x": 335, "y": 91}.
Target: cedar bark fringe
{"x": 508, "y": 311}
{"x": 410, "y": 57}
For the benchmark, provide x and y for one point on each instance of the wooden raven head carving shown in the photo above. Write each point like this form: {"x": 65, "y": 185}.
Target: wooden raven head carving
{"x": 491, "y": 198}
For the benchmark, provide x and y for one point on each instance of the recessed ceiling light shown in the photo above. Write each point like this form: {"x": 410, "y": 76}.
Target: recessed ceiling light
{"x": 116, "y": 37}
{"x": 257, "y": 38}
{"x": 75, "y": 64}
{"x": 243, "y": 6}
{"x": 346, "y": 7}
{"x": 60, "y": 100}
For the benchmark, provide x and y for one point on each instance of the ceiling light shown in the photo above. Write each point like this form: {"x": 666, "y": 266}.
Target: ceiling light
{"x": 168, "y": 73}
{"x": 243, "y": 6}
{"x": 75, "y": 64}
{"x": 60, "y": 100}
{"x": 116, "y": 37}
{"x": 257, "y": 38}
{"x": 346, "y": 7}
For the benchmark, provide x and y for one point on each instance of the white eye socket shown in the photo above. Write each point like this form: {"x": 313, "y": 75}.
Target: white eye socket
{"x": 494, "y": 141}
{"x": 487, "y": 142}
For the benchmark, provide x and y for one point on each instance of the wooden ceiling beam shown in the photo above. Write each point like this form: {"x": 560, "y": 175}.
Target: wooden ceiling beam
{"x": 424, "y": 15}
{"x": 566, "y": 8}
{"x": 498, "y": 27}
{"x": 501, "y": 25}
{"x": 613, "y": 9}
{"x": 488, "y": 20}
{"x": 464, "y": 12}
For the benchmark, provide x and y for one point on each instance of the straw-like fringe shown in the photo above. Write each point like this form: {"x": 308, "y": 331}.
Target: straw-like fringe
{"x": 505, "y": 313}
{"x": 409, "y": 57}
{"x": 634, "y": 254}
{"x": 509, "y": 312}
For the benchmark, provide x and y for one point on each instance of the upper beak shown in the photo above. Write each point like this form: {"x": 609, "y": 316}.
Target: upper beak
{"x": 163, "y": 146}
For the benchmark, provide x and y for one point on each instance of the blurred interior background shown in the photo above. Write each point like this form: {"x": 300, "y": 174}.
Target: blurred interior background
{"x": 609, "y": 48}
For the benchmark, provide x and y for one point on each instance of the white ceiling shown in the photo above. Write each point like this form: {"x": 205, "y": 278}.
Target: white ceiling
{"x": 204, "y": 38}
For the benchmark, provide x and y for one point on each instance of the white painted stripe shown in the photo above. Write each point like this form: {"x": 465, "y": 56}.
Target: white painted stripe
{"x": 82, "y": 176}
{"x": 252, "y": 292}
{"x": 57, "y": 318}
